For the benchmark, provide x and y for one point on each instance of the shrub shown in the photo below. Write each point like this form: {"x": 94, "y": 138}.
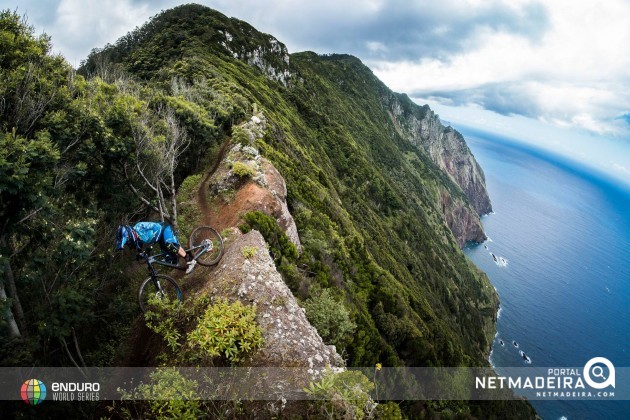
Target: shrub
{"x": 346, "y": 394}
{"x": 242, "y": 170}
{"x": 226, "y": 329}
{"x": 279, "y": 243}
{"x": 169, "y": 396}
{"x": 162, "y": 318}
{"x": 241, "y": 135}
{"x": 389, "y": 410}
{"x": 189, "y": 186}
{"x": 329, "y": 316}
{"x": 249, "y": 251}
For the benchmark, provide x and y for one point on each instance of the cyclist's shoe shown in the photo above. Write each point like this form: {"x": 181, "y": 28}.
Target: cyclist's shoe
{"x": 191, "y": 266}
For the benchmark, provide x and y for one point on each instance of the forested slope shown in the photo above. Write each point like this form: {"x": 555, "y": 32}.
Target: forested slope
{"x": 370, "y": 206}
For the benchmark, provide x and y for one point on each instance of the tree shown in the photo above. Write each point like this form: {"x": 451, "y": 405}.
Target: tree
{"x": 159, "y": 145}
{"x": 26, "y": 170}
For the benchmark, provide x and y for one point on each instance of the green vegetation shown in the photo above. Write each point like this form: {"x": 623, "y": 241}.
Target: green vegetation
{"x": 345, "y": 395}
{"x": 249, "y": 251}
{"x": 364, "y": 199}
{"x": 279, "y": 244}
{"x": 189, "y": 215}
{"x": 201, "y": 332}
{"x": 242, "y": 170}
{"x": 168, "y": 395}
{"x": 228, "y": 330}
{"x": 330, "y": 317}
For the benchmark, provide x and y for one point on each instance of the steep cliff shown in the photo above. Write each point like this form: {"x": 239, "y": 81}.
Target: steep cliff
{"x": 461, "y": 219}
{"x": 446, "y": 147}
{"x": 448, "y": 150}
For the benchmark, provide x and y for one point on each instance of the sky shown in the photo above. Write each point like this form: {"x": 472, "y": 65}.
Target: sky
{"x": 552, "y": 73}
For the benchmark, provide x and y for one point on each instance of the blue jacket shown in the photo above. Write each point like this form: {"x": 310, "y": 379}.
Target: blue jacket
{"x": 149, "y": 232}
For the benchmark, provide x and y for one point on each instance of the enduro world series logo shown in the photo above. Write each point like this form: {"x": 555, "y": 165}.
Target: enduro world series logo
{"x": 595, "y": 380}
{"x": 34, "y": 391}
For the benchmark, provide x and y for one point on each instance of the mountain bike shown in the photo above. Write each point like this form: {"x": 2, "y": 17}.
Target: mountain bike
{"x": 206, "y": 246}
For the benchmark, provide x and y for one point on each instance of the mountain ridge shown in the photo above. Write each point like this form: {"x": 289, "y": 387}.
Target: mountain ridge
{"x": 369, "y": 206}
{"x": 350, "y": 173}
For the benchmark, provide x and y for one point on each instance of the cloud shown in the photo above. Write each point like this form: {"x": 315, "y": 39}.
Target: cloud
{"x": 76, "y": 26}
{"x": 574, "y": 76}
{"x": 502, "y": 98}
{"x": 560, "y": 61}
{"x": 81, "y": 26}
{"x": 409, "y": 30}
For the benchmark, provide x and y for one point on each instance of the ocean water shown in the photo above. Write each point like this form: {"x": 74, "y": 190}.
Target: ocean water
{"x": 561, "y": 238}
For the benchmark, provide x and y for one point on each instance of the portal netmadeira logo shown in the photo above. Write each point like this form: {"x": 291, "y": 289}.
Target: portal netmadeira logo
{"x": 595, "y": 380}
{"x": 595, "y": 374}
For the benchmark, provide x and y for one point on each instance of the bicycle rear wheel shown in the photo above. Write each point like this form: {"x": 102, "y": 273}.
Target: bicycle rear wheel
{"x": 205, "y": 235}
{"x": 166, "y": 290}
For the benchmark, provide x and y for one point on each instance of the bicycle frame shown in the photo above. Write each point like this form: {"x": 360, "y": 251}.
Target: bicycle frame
{"x": 156, "y": 259}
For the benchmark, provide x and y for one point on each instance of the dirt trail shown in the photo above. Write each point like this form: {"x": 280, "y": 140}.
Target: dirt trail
{"x": 202, "y": 192}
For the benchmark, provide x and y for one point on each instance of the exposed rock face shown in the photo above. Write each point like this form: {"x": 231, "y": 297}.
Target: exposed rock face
{"x": 448, "y": 150}
{"x": 264, "y": 189}
{"x": 271, "y": 56}
{"x": 289, "y": 339}
{"x": 461, "y": 219}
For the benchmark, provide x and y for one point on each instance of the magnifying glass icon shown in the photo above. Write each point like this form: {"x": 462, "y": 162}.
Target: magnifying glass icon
{"x": 598, "y": 372}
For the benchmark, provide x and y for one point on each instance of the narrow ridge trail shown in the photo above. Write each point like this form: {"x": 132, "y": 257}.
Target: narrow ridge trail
{"x": 202, "y": 192}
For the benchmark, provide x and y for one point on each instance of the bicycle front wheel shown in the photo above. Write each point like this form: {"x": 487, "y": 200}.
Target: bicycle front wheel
{"x": 162, "y": 289}
{"x": 205, "y": 235}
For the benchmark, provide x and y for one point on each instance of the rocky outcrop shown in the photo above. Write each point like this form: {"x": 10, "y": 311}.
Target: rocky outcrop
{"x": 448, "y": 149}
{"x": 461, "y": 219}
{"x": 245, "y": 182}
{"x": 289, "y": 339}
{"x": 270, "y": 56}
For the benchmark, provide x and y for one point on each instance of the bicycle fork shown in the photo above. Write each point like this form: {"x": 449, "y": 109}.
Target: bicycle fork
{"x": 156, "y": 281}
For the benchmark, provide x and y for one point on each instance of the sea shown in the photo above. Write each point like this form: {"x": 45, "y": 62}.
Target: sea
{"x": 558, "y": 254}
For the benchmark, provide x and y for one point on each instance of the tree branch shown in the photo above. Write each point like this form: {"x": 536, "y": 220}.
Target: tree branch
{"x": 28, "y": 216}
{"x": 76, "y": 346}
{"x": 65, "y": 347}
{"x": 145, "y": 201}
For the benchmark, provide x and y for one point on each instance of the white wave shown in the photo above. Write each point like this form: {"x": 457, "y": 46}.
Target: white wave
{"x": 525, "y": 357}
{"x": 500, "y": 261}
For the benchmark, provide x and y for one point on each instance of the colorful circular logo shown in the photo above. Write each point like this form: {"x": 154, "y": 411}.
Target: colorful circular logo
{"x": 33, "y": 391}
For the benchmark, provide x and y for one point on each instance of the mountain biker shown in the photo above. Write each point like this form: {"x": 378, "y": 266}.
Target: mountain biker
{"x": 149, "y": 233}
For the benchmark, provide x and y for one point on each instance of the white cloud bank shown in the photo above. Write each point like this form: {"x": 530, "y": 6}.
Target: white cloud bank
{"x": 576, "y": 75}
{"x": 84, "y": 25}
